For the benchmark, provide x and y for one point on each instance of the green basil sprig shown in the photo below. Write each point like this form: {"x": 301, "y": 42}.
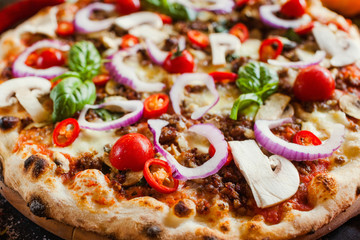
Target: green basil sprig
{"x": 257, "y": 82}
{"x": 76, "y": 88}
{"x": 174, "y": 10}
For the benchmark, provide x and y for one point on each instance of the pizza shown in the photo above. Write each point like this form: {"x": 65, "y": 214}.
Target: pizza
{"x": 183, "y": 119}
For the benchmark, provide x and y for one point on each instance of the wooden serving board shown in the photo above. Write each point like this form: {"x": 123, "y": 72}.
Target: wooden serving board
{"x": 72, "y": 233}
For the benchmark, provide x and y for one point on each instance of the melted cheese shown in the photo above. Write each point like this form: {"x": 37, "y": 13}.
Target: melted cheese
{"x": 250, "y": 48}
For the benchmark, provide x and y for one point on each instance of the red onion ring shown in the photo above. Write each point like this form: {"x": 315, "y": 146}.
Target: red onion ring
{"x": 135, "y": 19}
{"x": 187, "y": 79}
{"x": 20, "y": 69}
{"x": 293, "y": 151}
{"x": 269, "y": 18}
{"x": 156, "y": 55}
{"x": 124, "y": 74}
{"x": 212, "y": 166}
{"x": 217, "y": 6}
{"x": 135, "y": 107}
{"x": 316, "y": 59}
{"x": 83, "y": 23}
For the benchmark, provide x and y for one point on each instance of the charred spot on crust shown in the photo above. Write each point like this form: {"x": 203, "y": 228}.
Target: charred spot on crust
{"x": 153, "y": 231}
{"x": 357, "y": 189}
{"x": 1, "y": 171}
{"x": 37, "y": 207}
{"x": 7, "y": 123}
{"x": 39, "y": 165}
{"x": 210, "y": 238}
{"x": 181, "y": 210}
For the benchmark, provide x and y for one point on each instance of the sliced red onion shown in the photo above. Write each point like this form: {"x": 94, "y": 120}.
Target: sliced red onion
{"x": 188, "y": 79}
{"x": 20, "y": 69}
{"x": 267, "y": 15}
{"x": 139, "y": 18}
{"x": 212, "y": 166}
{"x": 156, "y": 55}
{"x": 83, "y": 23}
{"x": 316, "y": 59}
{"x": 135, "y": 107}
{"x": 216, "y": 6}
{"x": 293, "y": 151}
{"x": 125, "y": 74}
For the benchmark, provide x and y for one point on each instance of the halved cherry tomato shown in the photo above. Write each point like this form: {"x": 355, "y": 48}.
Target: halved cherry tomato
{"x": 32, "y": 59}
{"x": 270, "y": 48}
{"x": 156, "y": 181}
{"x": 165, "y": 18}
{"x": 198, "y": 38}
{"x": 179, "y": 62}
{"x": 306, "y": 138}
{"x": 314, "y": 83}
{"x": 66, "y": 132}
{"x": 65, "y": 29}
{"x": 125, "y": 7}
{"x": 50, "y": 57}
{"x": 294, "y": 8}
{"x": 156, "y": 105}
{"x": 101, "y": 80}
{"x": 229, "y": 158}
{"x": 305, "y": 29}
{"x": 223, "y": 77}
{"x": 131, "y": 151}
{"x": 241, "y": 3}
{"x": 129, "y": 41}
{"x": 241, "y": 31}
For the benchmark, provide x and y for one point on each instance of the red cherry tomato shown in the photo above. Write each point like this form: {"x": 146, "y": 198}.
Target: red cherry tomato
{"x": 165, "y": 18}
{"x": 157, "y": 182}
{"x": 294, "y": 8}
{"x": 124, "y": 7}
{"x": 241, "y": 31}
{"x": 198, "y": 38}
{"x": 241, "y": 3}
{"x": 179, "y": 62}
{"x": 305, "y": 29}
{"x": 156, "y": 105}
{"x": 50, "y": 57}
{"x": 270, "y": 48}
{"x": 314, "y": 83}
{"x": 223, "y": 77}
{"x": 129, "y": 41}
{"x": 65, "y": 29}
{"x": 101, "y": 80}
{"x": 66, "y": 132}
{"x": 32, "y": 59}
{"x": 131, "y": 151}
{"x": 229, "y": 158}
{"x": 306, "y": 138}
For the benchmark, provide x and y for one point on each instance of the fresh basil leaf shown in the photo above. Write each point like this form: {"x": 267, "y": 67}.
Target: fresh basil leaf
{"x": 85, "y": 59}
{"x": 66, "y": 75}
{"x": 70, "y": 96}
{"x": 243, "y": 102}
{"x": 174, "y": 10}
{"x": 293, "y": 36}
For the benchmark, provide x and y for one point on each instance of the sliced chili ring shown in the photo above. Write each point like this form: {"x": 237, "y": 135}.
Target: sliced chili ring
{"x": 129, "y": 41}
{"x": 229, "y": 158}
{"x": 223, "y": 77}
{"x": 158, "y": 184}
{"x": 198, "y": 38}
{"x": 270, "y": 48}
{"x": 66, "y": 132}
{"x": 165, "y": 18}
{"x": 241, "y": 31}
{"x": 101, "y": 80}
{"x": 156, "y": 105}
{"x": 306, "y": 138}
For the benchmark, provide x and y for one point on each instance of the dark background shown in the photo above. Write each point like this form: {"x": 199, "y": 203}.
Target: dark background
{"x": 14, "y": 226}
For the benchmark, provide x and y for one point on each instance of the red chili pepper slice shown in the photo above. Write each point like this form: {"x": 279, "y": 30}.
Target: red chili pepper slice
{"x": 156, "y": 105}
{"x": 241, "y": 31}
{"x": 101, "y": 80}
{"x": 229, "y": 158}
{"x": 129, "y": 41}
{"x": 270, "y": 48}
{"x": 306, "y": 138}
{"x": 155, "y": 181}
{"x": 165, "y": 18}
{"x": 223, "y": 77}
{"x": 198, "y": 38}
{"x": 66, "y": 132}
{"x": 305, "y": 29}
{"x": 65, "y": 29}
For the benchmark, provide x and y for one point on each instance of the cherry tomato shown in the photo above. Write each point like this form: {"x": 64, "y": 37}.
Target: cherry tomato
{"x": 66, "y": 132}
{"x": 65, "y": 29}
{"x": 294, "y": 8}
{"x": 179, "y": 62}
{"x": 241, "y": 3}
{"x": 305, "y": 29}
{"x": 101, "y": 80}
{"x": 156, "y": 105}
{"x": 32, "y": 59}
{"x": 124, "y": 7}
{"x": 223, "y": 77}
{"x": 129, "y": 41}
{"x": 229, "y": 158}
{"x": 270, "y": 48}
{"x": 50, "y": 57}
{"x": 165, "y": 18}
{"x": 131, "y": 151}
{"x": 306, "y": 138}
{"x": 198, "y": 38}
{"x": 156, "y": 181}
{"x": 314, "y": 83}
{"x": 241, "y": 31}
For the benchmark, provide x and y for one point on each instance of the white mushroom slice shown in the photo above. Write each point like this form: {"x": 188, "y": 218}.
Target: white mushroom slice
{"x": 350, "y": 104}
{"x": 26, "y": 90}
{"x": 132, "y": 178}
{"x": 274, "y": 107}
{"x": 221, "y": 44}
{"x": 268, "y": 186}
{"x": 140, "y": 18}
